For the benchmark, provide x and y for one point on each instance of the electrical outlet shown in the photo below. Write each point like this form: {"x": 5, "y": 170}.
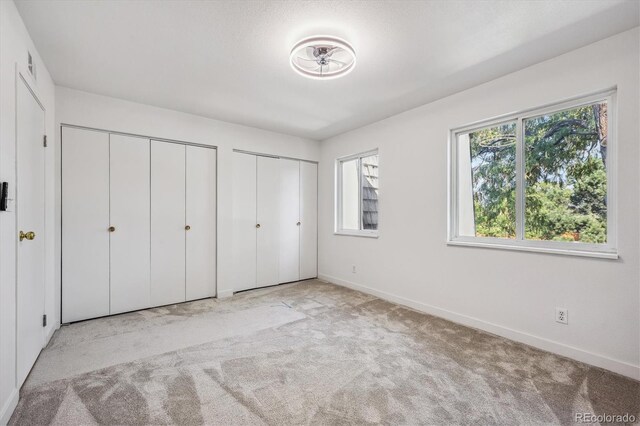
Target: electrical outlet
{"x": 353, "y": 269}
{"x": 562, "y": 315}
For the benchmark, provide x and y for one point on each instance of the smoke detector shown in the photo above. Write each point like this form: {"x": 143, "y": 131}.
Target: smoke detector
{"x": 322, "y": 57}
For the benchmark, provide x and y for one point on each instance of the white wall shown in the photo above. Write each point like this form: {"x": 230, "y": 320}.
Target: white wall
{"x": 14, "y": 44}
{"x": 513, "y": 294}
{"x": 101, "y": 112}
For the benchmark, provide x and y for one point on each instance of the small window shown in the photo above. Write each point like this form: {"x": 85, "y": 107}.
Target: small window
{"x": 357, "y": 194}
{"x": 538, "y": 180}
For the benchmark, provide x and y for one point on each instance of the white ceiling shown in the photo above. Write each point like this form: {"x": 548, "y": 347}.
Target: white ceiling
{"x": 229, "y": 59}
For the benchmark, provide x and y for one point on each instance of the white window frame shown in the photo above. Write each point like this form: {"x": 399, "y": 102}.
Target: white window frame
{"x": 338, "y": 230}
{"x": 606, "y": 250}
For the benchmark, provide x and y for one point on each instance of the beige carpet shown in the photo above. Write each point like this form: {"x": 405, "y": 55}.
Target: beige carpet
{"x": 307, "y": 353}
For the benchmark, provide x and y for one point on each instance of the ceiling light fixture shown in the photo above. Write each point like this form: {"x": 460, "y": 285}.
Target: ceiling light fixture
{"x": 322, "y": 57}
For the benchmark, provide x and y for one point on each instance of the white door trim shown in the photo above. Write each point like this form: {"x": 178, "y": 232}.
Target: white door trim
{"x": 135, "y": 135}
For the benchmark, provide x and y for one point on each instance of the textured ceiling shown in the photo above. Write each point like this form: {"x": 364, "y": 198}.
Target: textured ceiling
{"x": 229, "y": 59}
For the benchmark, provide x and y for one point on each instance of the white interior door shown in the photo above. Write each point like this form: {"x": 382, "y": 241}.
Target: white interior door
{"x": 268, "y": 223}
{"x": 308, "y": 220}
{"x": 201, "y": 222}
{"x": 244, "y": 221}
{"x": 167, "y": 223}
{"x": 85, "y": 223}
{"x": 289, "y": 212}
{"x": 130, "y": 219}
{"x": 30, "y": 196}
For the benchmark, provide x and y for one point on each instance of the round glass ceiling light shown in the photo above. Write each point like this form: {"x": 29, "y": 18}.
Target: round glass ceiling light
{"x": 322, "y": 57}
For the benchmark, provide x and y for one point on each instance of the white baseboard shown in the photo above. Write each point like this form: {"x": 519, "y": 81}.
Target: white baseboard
{"x": 50, "y": 333}
{"x": 9, "y": 406}
{"x": 12, "y": 402}
{"x": 223, "y": 294}
{"x": 620, "y": 367}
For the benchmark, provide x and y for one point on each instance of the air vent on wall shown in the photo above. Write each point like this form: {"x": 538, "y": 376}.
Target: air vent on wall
{"x": 31, "y": 66}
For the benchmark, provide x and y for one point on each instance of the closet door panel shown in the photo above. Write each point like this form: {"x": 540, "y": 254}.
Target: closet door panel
{"x": 268, "y": 214}
{"x": 289, "y": 213}
{"x": 130, "y": 216}
{"x": 244, "y": 221}
{"x": 201, "y": 219}
{"x": 85, "y": 223}
{"x": 308, "y": 220}
{"x": 167, "y": 223}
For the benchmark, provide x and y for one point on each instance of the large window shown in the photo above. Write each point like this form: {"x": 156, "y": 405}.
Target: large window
{"x": 357, "y": 194}
{"x": 540, "y": 180}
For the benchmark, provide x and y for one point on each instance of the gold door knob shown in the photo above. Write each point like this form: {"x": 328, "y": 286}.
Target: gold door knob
{"x": 112, "y": 228}
{"x": 186, "y": 228}
{"x": 27, "y": 236}
{"x": 257, "y": 225}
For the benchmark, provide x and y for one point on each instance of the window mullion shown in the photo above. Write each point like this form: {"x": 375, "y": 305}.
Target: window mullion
{"x": 454, "y": 195}
{"x": 520, "y": 184}
{"x": 360, "y": 193}
{"x": 338, "y": 211}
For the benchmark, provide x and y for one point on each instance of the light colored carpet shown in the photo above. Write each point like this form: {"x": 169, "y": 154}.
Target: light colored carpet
{"x": 93, "y": 345}
{"x": 307, "y": 353}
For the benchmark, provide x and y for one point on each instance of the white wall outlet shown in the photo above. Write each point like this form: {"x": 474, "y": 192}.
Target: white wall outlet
{"x": 353, "y": 269}
{"x": 562, "y": 315}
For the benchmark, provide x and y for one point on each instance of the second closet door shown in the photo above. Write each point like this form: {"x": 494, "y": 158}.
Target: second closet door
{"x": 308, "y": 220}
{"x": 243, "y": 246}
{"x": 289, "y": 212}
{"x": 167, "y": 223}
{"x": 268, "y": 221}
{"x": 130, "y": 223}
{"x": 201, "y": 223}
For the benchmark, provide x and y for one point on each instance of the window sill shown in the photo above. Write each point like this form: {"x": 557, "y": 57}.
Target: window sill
{"x": 365, "y": 234}
{"x": 562, "y": 251}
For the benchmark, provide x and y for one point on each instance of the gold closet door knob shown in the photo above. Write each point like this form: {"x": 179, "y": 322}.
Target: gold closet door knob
{"x": 257, "y": 225}
{"x": 27, "y": 235}
{"x": 112, "y": 228}
{"x": 187, "y": 228}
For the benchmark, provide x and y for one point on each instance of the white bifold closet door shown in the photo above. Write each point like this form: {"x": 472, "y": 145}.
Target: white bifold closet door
{"x": 85, "y": 224}
{"x": 200, "y": 223}
{"x": 168, "y": 192}
{"x": 275, "y": 214}
{"x": 139, "y": 223}
{"x": 129, "y": 212}
{"x": 243, "y": 247}
{"x": 308, "y": 220}
{"x": 289, "y": 213}
{"x": 268, "y": 221}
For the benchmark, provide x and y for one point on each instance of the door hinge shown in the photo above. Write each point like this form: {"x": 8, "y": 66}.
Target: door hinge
{"x": 45, "y": 141}
{"x": 44, "y": 320}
